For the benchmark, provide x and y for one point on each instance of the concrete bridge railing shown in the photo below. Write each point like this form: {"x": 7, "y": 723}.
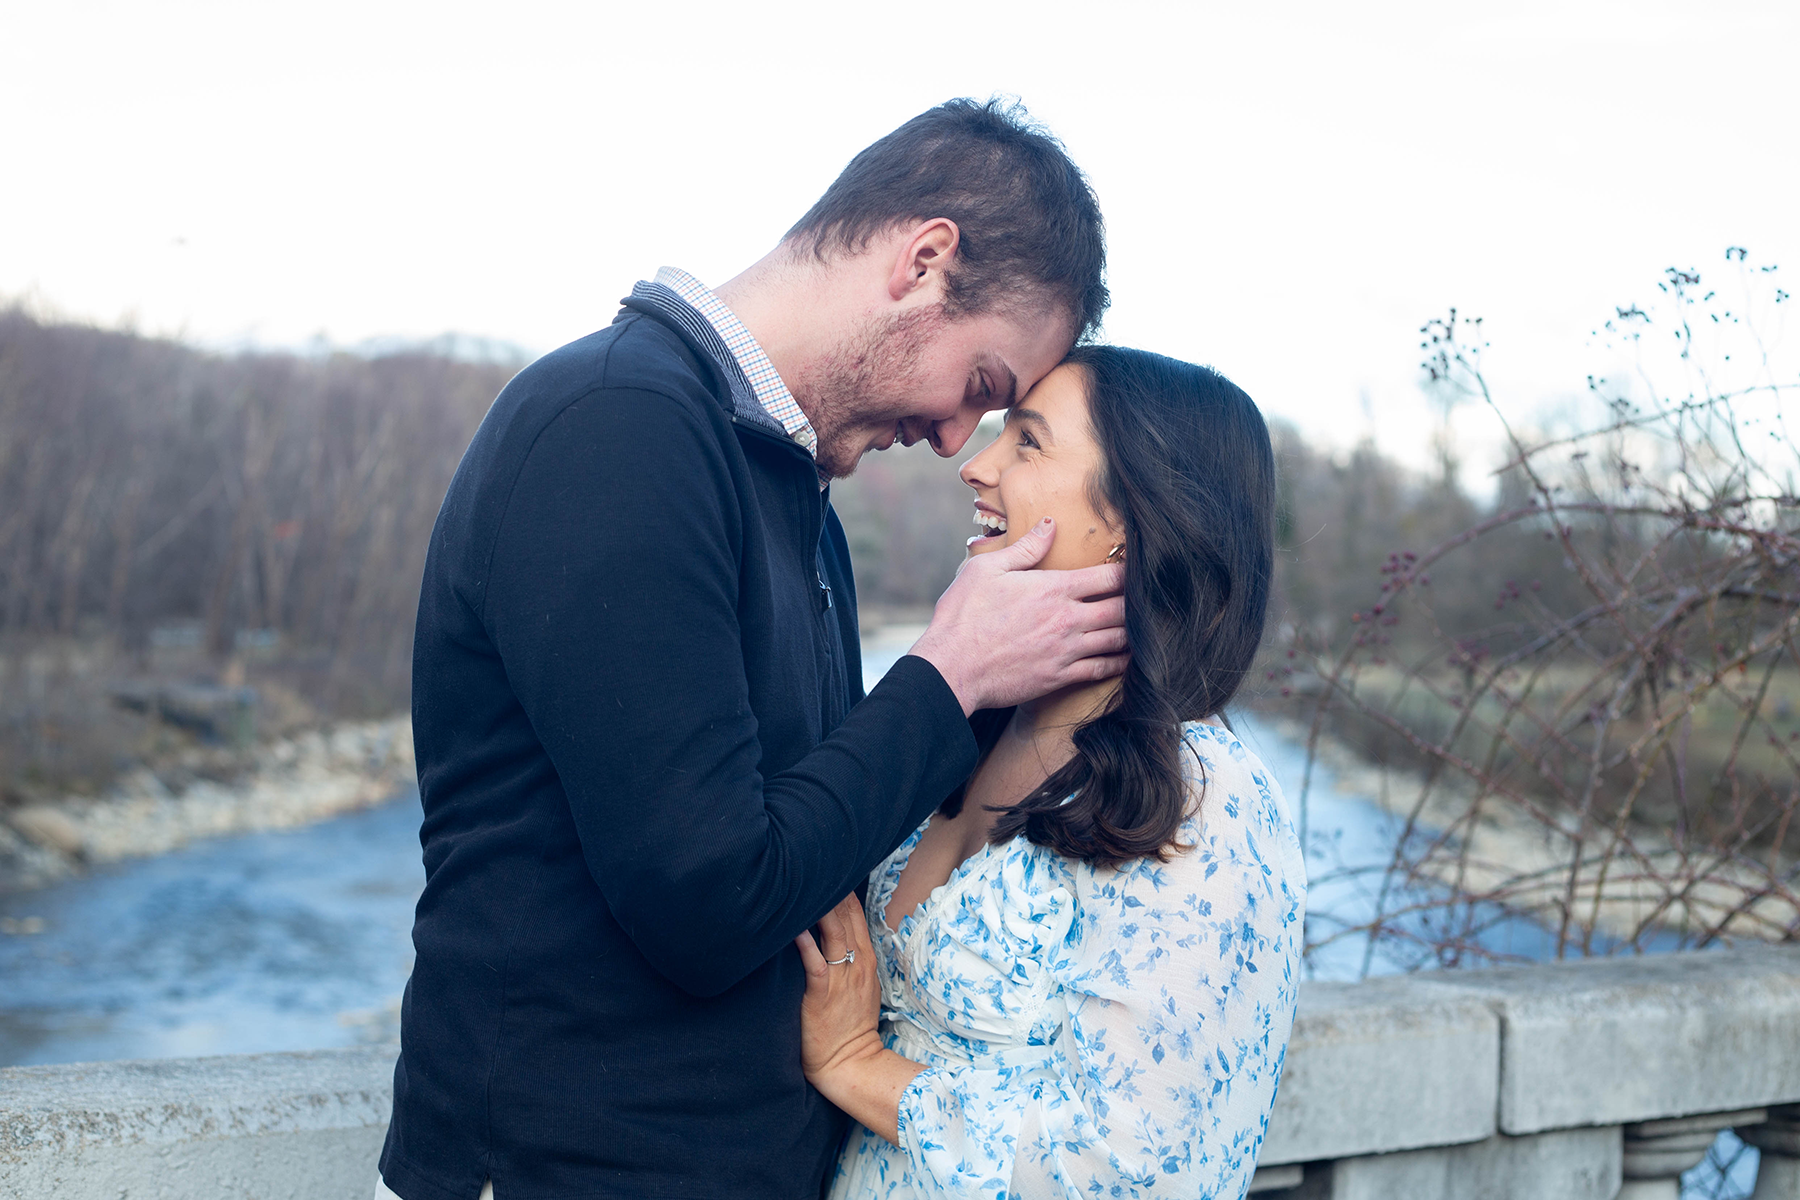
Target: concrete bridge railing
{"x": 1575, "y": 1081}
{"x": 1581, "y": 1081}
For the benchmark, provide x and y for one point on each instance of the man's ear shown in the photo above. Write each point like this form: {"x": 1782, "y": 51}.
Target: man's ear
{"x": 923, "y": 258}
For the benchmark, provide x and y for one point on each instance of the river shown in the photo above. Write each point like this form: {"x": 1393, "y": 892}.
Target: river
{"x": 299, "y": 939}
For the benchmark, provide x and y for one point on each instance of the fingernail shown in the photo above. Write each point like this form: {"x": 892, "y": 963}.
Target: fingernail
{"x": 1047, "y": 522}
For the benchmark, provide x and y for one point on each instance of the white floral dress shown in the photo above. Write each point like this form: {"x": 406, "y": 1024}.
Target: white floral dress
{"x": 1094, "y": 1032}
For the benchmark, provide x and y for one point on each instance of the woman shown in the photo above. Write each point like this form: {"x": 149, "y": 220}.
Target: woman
{"x": 1078, "y": 977}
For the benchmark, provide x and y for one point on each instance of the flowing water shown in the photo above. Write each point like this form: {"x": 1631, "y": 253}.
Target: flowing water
{"x": 300, "y": 939}
{"x": 291, "y": 940}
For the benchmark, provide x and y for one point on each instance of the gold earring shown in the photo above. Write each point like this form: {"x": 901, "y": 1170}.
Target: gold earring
{"x": 1116, "y": 554}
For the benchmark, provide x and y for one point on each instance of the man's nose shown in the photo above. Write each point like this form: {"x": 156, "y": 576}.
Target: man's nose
{"x": 948, "y": 437}
{"x": 913, "y": 431}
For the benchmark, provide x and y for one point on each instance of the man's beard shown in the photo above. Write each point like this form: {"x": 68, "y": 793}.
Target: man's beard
{"x": 868, "y": 381}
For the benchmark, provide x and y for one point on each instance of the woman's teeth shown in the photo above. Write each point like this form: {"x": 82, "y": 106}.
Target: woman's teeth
{"x": 995, "y": 526}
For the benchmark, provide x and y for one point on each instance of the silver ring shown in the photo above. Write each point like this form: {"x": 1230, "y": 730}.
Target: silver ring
{"x": 849, "y": 957}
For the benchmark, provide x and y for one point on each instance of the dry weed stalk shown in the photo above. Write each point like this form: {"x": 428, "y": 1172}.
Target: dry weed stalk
{"x": 1609, "y": 748}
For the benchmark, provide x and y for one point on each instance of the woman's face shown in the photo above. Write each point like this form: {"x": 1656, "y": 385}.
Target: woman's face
{"x": 1041, "y": 466}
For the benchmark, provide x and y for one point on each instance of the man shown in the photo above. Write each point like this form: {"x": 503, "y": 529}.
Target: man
{"x": 644, "y": 754}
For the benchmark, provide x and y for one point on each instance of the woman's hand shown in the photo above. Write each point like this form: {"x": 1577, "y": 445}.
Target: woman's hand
{"x": 842, "y": 1008}
{"x": 840, "y": 1043}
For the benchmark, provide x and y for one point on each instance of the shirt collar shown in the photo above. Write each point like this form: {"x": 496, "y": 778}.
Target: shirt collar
{"x": 765, "y": 381}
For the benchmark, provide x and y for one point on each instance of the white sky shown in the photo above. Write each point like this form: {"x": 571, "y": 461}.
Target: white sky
{"x": 1290, "y": 191}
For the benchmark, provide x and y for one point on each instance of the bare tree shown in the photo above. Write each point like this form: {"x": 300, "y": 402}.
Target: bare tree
{"x": 264, "y": 499}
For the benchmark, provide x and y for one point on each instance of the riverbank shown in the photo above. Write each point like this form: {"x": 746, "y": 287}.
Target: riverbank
{"x": 287, "y": 782}
{"x": 1625, "y": 882}
{"x": 1484, "y": 848}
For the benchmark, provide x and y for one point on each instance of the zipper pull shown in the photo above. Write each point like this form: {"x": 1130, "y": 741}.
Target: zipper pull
{"x": 824, "y": 595}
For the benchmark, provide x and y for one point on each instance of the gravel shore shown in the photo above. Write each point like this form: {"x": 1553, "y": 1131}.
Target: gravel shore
{"x": 292, "y": 781}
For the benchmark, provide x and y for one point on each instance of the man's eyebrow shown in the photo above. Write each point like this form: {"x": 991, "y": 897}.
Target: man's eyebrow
{"x": 1031, "y": 416}
{"x": 1010, "y": 391}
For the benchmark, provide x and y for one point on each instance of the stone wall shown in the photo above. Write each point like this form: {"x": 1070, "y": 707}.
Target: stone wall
{"x": 242, "y": 1127}
{"x": 1572, "y": 1081}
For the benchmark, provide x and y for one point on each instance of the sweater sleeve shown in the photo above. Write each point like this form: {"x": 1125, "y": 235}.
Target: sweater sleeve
{"x": 1180, "y": 980}
{"x": 612, "y": 599}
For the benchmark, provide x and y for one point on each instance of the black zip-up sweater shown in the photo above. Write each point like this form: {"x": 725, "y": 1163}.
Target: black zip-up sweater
{"x": 646, "y": 764}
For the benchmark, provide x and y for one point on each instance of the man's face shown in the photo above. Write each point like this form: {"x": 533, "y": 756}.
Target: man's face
{"x": 919, "y": 375}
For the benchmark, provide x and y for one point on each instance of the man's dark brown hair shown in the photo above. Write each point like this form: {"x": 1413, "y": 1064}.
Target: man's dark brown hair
{"x": 1030, "y": 230}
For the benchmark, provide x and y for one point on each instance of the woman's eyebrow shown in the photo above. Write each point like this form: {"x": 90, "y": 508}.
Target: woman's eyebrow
{"x": 1033, "y": 417}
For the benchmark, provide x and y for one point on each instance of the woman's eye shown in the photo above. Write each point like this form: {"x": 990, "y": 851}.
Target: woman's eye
{"x": 1026, "y": 440}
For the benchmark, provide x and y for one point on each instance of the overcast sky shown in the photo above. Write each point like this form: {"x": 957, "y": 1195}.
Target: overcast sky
{"x": 1288, "y": 196}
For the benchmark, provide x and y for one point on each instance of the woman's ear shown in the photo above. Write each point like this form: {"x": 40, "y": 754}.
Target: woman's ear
{"x": 924, "y": 258}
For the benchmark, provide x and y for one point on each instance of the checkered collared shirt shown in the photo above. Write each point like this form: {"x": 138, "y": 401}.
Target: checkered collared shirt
{"x": 765, "y": 382}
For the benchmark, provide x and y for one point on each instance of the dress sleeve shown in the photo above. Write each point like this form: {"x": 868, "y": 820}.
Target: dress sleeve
{"x": 1180, "y": 980}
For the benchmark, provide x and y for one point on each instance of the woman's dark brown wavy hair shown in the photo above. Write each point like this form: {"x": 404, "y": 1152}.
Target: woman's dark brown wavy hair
{"x": 1190, "y": 473}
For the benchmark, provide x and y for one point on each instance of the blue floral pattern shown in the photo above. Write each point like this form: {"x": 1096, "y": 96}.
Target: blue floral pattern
{"x": 1094, "y": 1032}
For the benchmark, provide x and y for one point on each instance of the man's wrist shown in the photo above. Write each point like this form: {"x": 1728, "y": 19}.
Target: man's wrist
{"x": 946, "y": 667}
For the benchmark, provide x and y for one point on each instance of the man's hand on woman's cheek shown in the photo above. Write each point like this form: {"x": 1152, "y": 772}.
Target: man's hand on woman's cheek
{"x": 1003, "y": 633}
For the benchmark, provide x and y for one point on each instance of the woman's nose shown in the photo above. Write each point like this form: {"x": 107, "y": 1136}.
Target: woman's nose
{"x": 977, "y": 472}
